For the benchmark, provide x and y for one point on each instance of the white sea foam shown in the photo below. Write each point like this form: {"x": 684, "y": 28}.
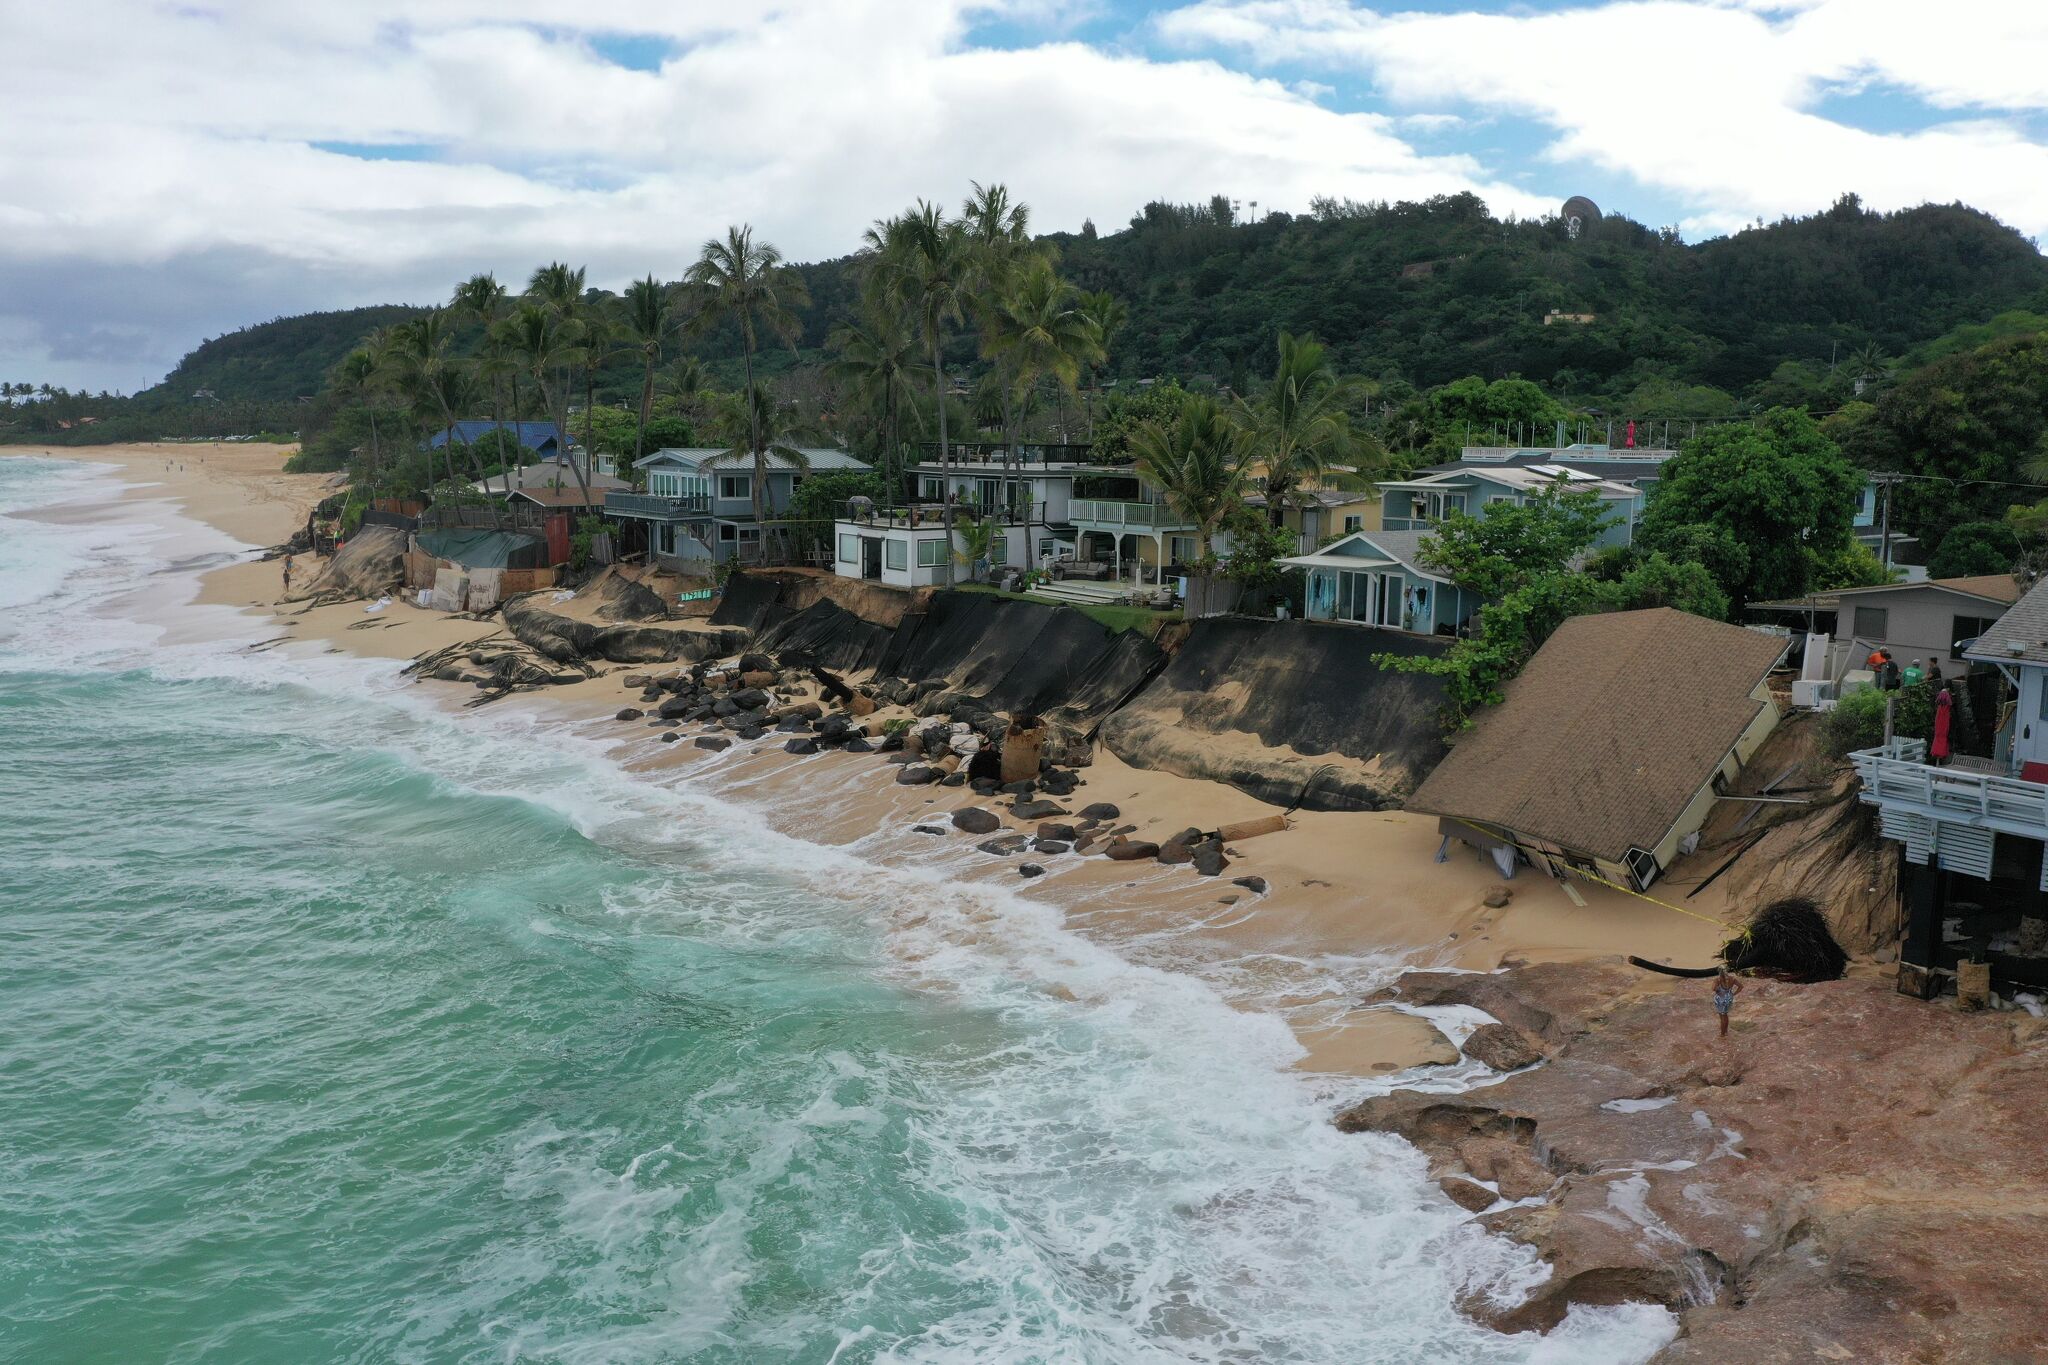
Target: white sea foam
{"x": 1137, "y": 1171}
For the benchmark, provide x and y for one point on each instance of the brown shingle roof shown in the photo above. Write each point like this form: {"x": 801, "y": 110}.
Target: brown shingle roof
{"x": 1999, "y": 587}
{"x": 1609, "y": 732}
{"x": 549, "y": 496}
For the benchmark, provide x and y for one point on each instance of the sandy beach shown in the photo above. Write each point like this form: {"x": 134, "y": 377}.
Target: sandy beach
{"x": 1350, "y": 897}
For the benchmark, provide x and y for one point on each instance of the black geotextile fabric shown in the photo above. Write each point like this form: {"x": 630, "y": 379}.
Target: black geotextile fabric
{"x": 750, "y": 602}
{"x": 1305, "y": 686}
{"x": 829, "y": 635}
{"x": 1021, "y": 657}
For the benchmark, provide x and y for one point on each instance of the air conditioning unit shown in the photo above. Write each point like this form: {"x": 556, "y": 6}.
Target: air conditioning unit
{"x": 1813, "y": 694}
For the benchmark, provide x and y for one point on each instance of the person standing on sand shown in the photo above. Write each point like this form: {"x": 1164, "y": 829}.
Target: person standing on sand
{"x": 287, "y": 575}
{"x": 1726, "y": 988}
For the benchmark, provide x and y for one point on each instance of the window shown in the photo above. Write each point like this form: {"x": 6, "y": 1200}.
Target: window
{"x": 931, "y": 553}
{"x": 999, "y": 549}
{"x": 1353, "y": 524}
{"x": 849, "y": 549}
{"x": 1967, "y": 628}
{"x": 1871, "y": 623}
{"x": 1181, "y": 549}
{"x": 928, "y": 488}
{"x": 735, "y": 485}
{"x": 895, "y": 555}
{"x": 727, "y": 532}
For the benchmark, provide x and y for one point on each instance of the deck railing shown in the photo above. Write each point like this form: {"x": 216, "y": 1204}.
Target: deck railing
{"x": 1147, "y": 516}
{"x": 994, "y": 454}
{"x": 927, "y": 516}
{"x": 1898, "y": 775}
{"x": 655, "y": 505}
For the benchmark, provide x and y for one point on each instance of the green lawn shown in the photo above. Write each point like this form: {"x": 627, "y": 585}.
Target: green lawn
{"x": 1116, "y": 618}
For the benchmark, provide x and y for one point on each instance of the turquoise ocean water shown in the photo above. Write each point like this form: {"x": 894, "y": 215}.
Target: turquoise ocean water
{"x": 338, "y": 1027}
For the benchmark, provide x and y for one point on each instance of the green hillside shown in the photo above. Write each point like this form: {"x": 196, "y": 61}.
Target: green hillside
{"x": 1424, "y": 292}
{"x": 276, "y": 361}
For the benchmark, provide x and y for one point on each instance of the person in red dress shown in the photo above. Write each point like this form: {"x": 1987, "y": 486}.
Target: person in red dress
{"x": 1944, "y": 710}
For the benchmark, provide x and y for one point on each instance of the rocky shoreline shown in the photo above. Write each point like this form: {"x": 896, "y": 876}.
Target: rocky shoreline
{"x": 1852, "y": 1175}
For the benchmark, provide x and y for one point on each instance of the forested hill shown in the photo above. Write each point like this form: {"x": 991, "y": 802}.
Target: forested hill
{"x": 1429, "y": 292}
{"x": 276, "y": 361}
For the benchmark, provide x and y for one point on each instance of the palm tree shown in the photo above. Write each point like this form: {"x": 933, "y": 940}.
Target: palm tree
{"x": 1035, "y": 330}
{"x": 977, "y": 539}
{"x": 558, "y": 288}
{"x": 1109, "y": 314}
{"x": 1298, "y": 422}
{"x": 878, "y": 359}
{"x": 547, "y": 343}
{"x": 1199, "y": 460}
{"x": 437, "y": 383}
{"x": 746, "y": 281}
{"x": 647, "y": 323}
{"x": 482, "y": 298}
{"x": 922, "y": 265}
{"x": 689, "y": 379}
{"x": 748, "y": 424}
{"x": 999, "y": 246}
{"x": 359, "y": 376}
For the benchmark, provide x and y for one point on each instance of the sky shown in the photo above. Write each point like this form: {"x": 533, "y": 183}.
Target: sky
{"x": 173, "y": 171}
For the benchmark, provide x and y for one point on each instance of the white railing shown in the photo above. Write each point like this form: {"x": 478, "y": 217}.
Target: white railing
{"x": 1898, "y": 775}
{"x": 1151, "y": 516}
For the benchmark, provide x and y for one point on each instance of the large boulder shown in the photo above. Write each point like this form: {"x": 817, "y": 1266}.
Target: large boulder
{"x": 1502, "y": 1047}
{"x": 974, "y": 820}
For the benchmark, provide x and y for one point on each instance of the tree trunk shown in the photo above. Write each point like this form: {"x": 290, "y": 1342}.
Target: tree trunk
{"x": 758, "y": 493}
{"x": 646, "y": 402}
{"x": 945, "y": 462}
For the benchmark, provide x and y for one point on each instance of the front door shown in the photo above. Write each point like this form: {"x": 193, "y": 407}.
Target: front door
{"x": 870, "y": 557}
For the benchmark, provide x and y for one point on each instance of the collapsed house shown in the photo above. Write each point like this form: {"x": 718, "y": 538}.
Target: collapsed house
{"x": 456, "y": 569}
{"x": 1610, "y": 749}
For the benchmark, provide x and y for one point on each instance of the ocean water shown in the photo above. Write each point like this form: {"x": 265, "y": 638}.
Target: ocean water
{"x": 338, "y": 1026}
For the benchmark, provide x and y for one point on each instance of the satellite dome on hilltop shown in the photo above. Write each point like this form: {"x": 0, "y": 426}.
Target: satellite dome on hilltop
{"x": 1579, "y": 213}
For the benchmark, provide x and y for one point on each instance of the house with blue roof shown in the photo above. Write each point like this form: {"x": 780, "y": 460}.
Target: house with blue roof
{"x": 541, "y": 438}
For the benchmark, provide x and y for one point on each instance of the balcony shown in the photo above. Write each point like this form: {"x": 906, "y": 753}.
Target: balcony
{"x": 650, "y": 507}
{"x": 1094, "y": 513}
{"x": 928, "y": 516}
{"x": 1949, "y": 815}
{"x": 992, "y": 454}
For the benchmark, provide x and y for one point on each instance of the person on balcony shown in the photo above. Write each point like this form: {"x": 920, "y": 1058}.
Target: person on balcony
{"x": 1944, "y": 711}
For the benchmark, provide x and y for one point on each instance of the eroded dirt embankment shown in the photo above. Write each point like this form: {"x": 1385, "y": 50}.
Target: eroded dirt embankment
{"x": 1853, "y": 1175}
{"x": 1291, "y": 712}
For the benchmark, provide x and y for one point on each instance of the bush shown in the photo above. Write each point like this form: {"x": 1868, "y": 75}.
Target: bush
{"x": 1857, "y": 722}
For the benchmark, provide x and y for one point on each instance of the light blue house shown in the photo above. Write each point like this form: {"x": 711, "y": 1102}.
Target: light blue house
{"x": 699, "y": 503}
{"x": 1374, "y": 578}
{"x": 1419, "y": 503}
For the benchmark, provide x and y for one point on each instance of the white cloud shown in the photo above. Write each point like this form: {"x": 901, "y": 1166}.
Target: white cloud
{"x": 142, "y": 135}
{"x": 1711, "y": 104}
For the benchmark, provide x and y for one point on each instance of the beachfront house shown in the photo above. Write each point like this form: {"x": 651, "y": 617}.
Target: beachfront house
{"x": 1376, "y": 578}
{"x": 1319, "y": 515}
{"x": 699, "y": 503}
{"x": 1418, "y": 503}
{"x": 1049, "y": 502}
{"x": 542, "y": 438}
{"x": 1611, "y": 747}
{"x": 1974, "y": 832}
